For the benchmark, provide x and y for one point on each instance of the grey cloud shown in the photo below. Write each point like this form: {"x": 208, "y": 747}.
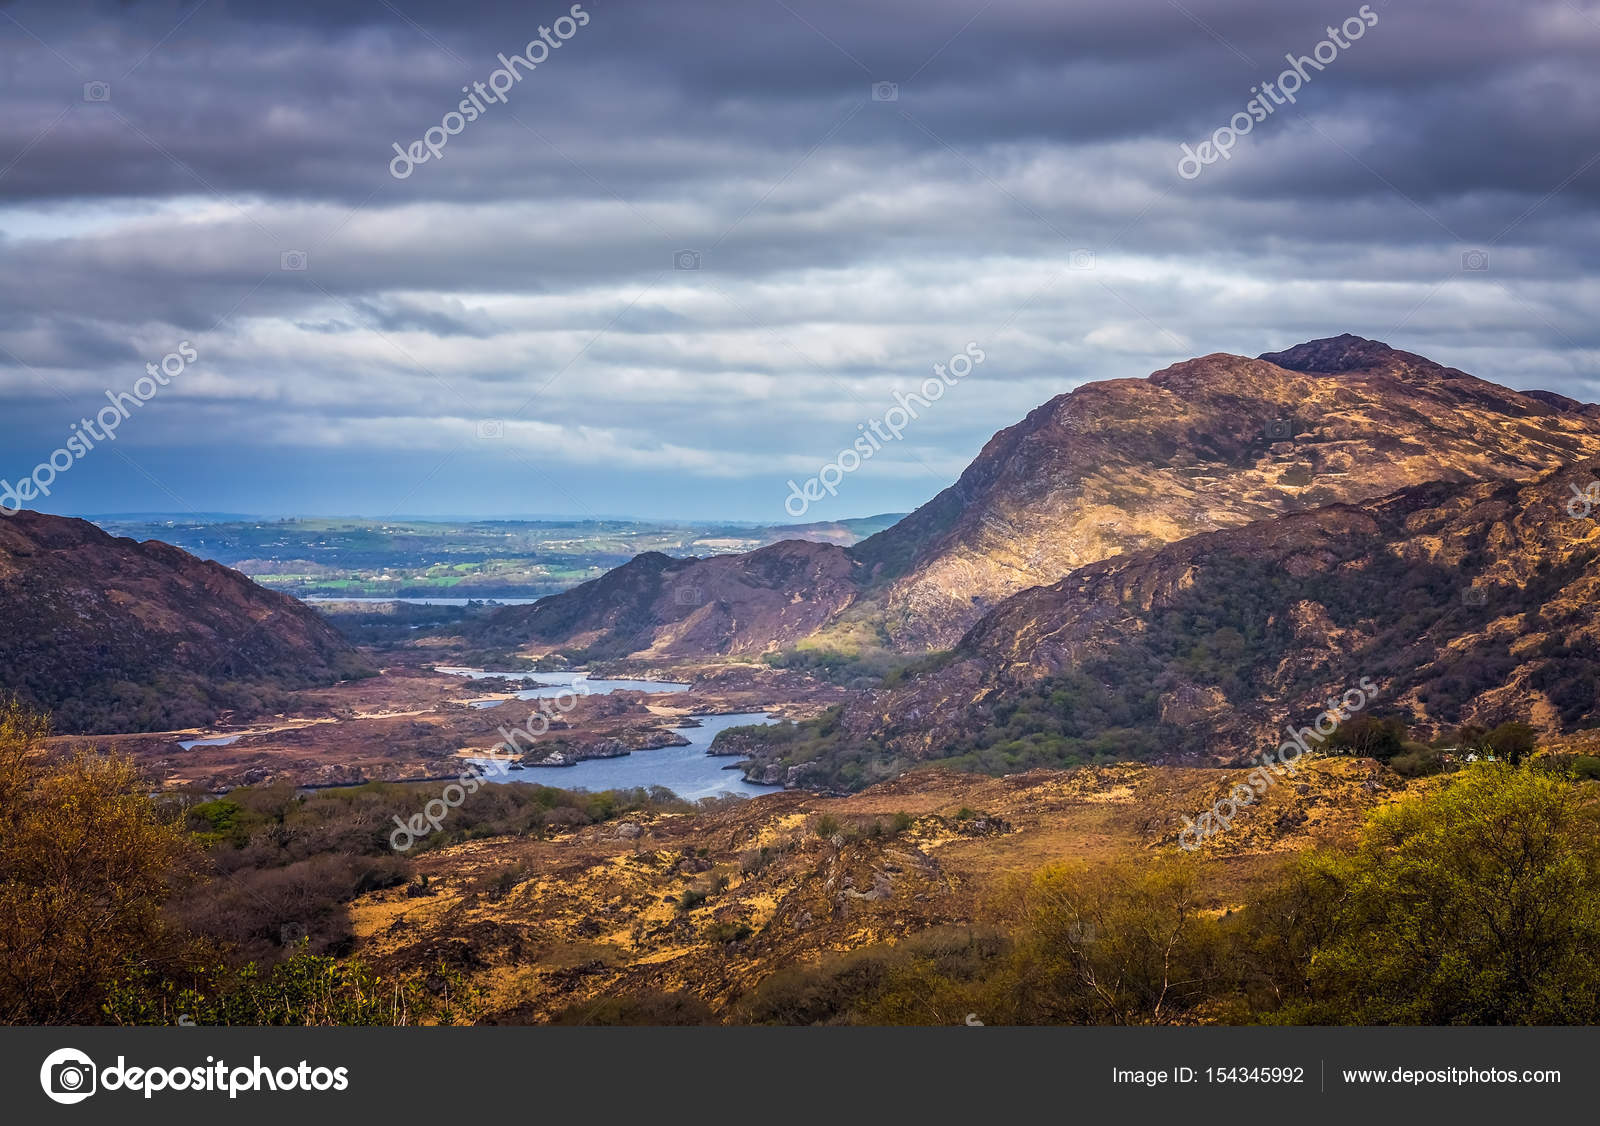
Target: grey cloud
{"x": 845, "y": 241}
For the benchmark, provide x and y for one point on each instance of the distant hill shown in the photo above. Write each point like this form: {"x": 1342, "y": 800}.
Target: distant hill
{"x": 112, "y": 635}
{"x": 357, "y": 557}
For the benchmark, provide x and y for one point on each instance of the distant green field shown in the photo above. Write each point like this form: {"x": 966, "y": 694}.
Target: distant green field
{"x": 358, "y": 558}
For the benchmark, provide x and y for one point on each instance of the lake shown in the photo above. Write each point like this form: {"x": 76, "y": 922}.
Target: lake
{"x": 215, "y": 741}
{"x": 421, "y": 600}
{"x": 550, "y": 684}
{"x": 687, "y": 771}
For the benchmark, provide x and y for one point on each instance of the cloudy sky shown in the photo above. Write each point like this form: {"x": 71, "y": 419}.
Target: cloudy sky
{"x": 864, "y": 186}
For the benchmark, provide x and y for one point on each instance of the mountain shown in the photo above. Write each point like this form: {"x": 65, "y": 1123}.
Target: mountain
{"x": 113, "y": 635}
{"x": 659, "y": 606}
{"x": 1211, "y": 443}
{"x": 1111, "y": 467}
{"x": 1463, "y": 603}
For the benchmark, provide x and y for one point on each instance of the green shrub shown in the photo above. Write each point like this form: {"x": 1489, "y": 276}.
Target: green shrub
{"x": 728, "y": 932}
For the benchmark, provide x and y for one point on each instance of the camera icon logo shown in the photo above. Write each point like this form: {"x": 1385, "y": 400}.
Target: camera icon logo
{"x": 885, "y": 92}
{"x": 97, "y": 91}
{"x": 1475, "y": 260}
{"x": 1472, "y": 596}
{"x": 1080, "y": 260}
{"x": 292, "y": 260}
{"x": 1280, "y": 430}
{"x": 686, "y": 260}
{"x": 1584, "y": 501}
{"x": 68, "y": 1076}
{"x": 689, "y": 596}
{"x": 491, "y": 428}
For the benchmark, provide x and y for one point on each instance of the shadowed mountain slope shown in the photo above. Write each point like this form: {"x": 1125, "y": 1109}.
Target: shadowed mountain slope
{"x": 114, "y": 635}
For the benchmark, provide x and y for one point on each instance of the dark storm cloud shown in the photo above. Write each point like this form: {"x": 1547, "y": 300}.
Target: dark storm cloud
{"x": 1021, "y": 187}
{"x": 304, "y": 101}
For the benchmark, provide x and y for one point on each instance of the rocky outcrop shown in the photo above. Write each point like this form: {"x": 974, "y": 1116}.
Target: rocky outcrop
{"x": 570, "y": 752}
{"x": 733, "y": 744}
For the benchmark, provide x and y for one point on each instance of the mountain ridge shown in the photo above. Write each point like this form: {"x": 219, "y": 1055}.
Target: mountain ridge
{"x": 1108, "y": 467}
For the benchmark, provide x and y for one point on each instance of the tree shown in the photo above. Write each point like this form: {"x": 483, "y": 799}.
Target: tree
{"x": 1479, "y": 904}
{"x": 1129, "y": 944}
{"x": 1370, "y": 736}
{"x": 1512, "y": 741}
{"x": 85, "y": 866}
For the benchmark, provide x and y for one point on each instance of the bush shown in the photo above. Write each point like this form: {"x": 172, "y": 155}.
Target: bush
{"x": 1128, "y": 944}
{"x": 819, "y": 994}
{"x": 728, "y": 932}
{"x": 934, "y": 977}
{"x": 1417, "y": 760}
{"x": 301, "y": 991}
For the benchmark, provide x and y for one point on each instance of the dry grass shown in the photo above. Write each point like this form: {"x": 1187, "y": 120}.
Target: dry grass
{"x": 599, "y": 911}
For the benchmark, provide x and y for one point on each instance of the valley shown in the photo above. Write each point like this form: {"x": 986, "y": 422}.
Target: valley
{"x": 851, "y": 778}
{"x": 830, "y": 516}
{"x": 1272, "y": 564}
{"x": 412, "y": 722}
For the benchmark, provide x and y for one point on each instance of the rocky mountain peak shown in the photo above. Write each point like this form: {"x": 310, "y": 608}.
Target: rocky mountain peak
{"x": 1345, "y": 352}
